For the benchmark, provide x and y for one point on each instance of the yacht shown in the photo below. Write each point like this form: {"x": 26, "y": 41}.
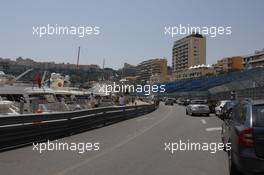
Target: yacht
{"x": 26, "y": 98}
{"x": 7, "y": 108}
{"x": 31, "y": 99}
{"x": 73, "y": 98}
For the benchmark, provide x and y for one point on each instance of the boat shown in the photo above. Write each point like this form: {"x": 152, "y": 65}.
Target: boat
{"x": 7, "y": 108}
{"x": 28, "y": 98}
{"x": 31, "y": 99}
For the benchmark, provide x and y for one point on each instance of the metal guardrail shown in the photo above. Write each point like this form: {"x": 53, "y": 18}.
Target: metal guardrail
{"x": 16, "y": 131}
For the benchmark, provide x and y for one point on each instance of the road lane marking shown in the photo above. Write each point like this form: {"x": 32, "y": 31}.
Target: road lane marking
{"x": 214, "y": 129}
{"x": 141, "y": 119}
{"x": 106, "y": 151}
{"x": 203, "y": 121}
{"x": 145, "y": 118}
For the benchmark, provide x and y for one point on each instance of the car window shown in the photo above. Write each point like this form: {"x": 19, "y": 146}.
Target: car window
{"x": 240, "y": 113}
{"x": 198, "y": 102}
{"x": 258, "y": 114}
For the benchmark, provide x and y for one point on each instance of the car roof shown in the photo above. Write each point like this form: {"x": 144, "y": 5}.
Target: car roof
{"x": 258, "y": 102}
{"x": 198, "y": 100}
{"x": 223, "y": 101}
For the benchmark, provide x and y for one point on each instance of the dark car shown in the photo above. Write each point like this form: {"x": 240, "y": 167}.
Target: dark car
{"x": 212, "y": 105}
{"x": 186, "y": 102}
{"x": 169, "y": 101}
{"x": 243, "y": 128}
{"x": 226, "y": 109}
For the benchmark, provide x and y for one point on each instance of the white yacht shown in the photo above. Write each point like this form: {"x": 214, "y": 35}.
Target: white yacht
{"x": 7, "y": 108}
{"x": 26, "y": 98}
{"x": 31, "y": 99}
{"x": 73, "y": 98}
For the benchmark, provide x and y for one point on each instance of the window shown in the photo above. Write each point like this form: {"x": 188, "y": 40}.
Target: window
{"x": 258, "y": 115}
{"x": 12, "y": 97}
{"x": 240, "y": 113}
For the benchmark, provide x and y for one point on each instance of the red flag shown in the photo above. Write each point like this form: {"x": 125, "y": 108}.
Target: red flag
{"x": 38, "y": 80}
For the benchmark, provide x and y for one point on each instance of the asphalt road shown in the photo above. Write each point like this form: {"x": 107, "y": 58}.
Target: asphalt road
{"x": 132, "y": 147}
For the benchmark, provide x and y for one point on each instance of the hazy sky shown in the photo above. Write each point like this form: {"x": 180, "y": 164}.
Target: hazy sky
{"x": 131, "y": 31}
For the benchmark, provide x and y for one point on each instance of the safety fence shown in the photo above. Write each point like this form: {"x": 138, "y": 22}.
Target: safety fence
{"x": 251, "y": 93}
{"x": 20, "y": 130}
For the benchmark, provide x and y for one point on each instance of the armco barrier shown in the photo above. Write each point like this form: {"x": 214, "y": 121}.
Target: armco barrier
{"x": 25, "y": 129}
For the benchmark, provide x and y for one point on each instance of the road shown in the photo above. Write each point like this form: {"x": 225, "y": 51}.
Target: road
{"x": 132, "y": 147}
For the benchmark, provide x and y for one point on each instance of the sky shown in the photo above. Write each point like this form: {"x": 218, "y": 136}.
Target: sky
{"x": 130, "y": 31}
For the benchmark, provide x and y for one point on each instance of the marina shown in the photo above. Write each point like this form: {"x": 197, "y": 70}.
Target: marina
{"x": 51, "y": 95}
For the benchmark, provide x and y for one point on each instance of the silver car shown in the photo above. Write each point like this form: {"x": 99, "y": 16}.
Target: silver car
{"x": 198, "y": 107}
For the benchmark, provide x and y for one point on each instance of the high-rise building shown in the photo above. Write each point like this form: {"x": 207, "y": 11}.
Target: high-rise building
{"x": 150, "y": 68}
{"x": 188, "y": 51}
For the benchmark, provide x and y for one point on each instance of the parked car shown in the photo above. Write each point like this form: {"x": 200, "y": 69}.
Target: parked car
{"x": 198, "y": 107}
{"x": 186, "y": 102}
{"x": 243, "y": 128}
{"x": 169, "y": 101}
{"x": 226, "y": 109}
{"x": 219, "y": 107}
{"x": 180, "y": 101}
{"x": 212, "y": 105}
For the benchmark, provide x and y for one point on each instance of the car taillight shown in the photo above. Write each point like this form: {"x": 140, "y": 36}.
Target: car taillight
{"x": 246, "y": 138}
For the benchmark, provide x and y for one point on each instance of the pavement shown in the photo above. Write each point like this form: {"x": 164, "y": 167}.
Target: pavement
{"x": 132, "y": 147}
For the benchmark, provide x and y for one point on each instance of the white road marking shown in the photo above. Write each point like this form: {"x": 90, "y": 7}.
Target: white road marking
{"x": 214, "y": 129}
{"x": 141, "y": 119}
{"x": 203, "y": 121}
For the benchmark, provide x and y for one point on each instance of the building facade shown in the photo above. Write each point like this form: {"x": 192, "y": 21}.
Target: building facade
{"x": 188, "y": 51}
{"x": 229, "y": 64}
{"x": 150, "y": 68}
{"x": 254, "y": 60}
{"x": 195, "y": 72}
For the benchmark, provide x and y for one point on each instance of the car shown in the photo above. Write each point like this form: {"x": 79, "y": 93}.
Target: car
{"x": 198, "y": 107}
{"x": 180, "y": 101}
{"x": 163, "y": 99}
{"x": 169, "y": 101}
{"x": 243, "y": 129}
{"x": 219, "y": 106}
{"x": 186, "y": 102}
{"x": 212, "y": 104}
{"x": 226, "y": 108}
{"x": 174, "y": 100}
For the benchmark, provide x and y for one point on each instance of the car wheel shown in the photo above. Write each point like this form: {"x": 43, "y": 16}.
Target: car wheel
{"x": 232, "y": 167}
{"x": 208, "y": 115}
{"x": 186, "y": 112}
